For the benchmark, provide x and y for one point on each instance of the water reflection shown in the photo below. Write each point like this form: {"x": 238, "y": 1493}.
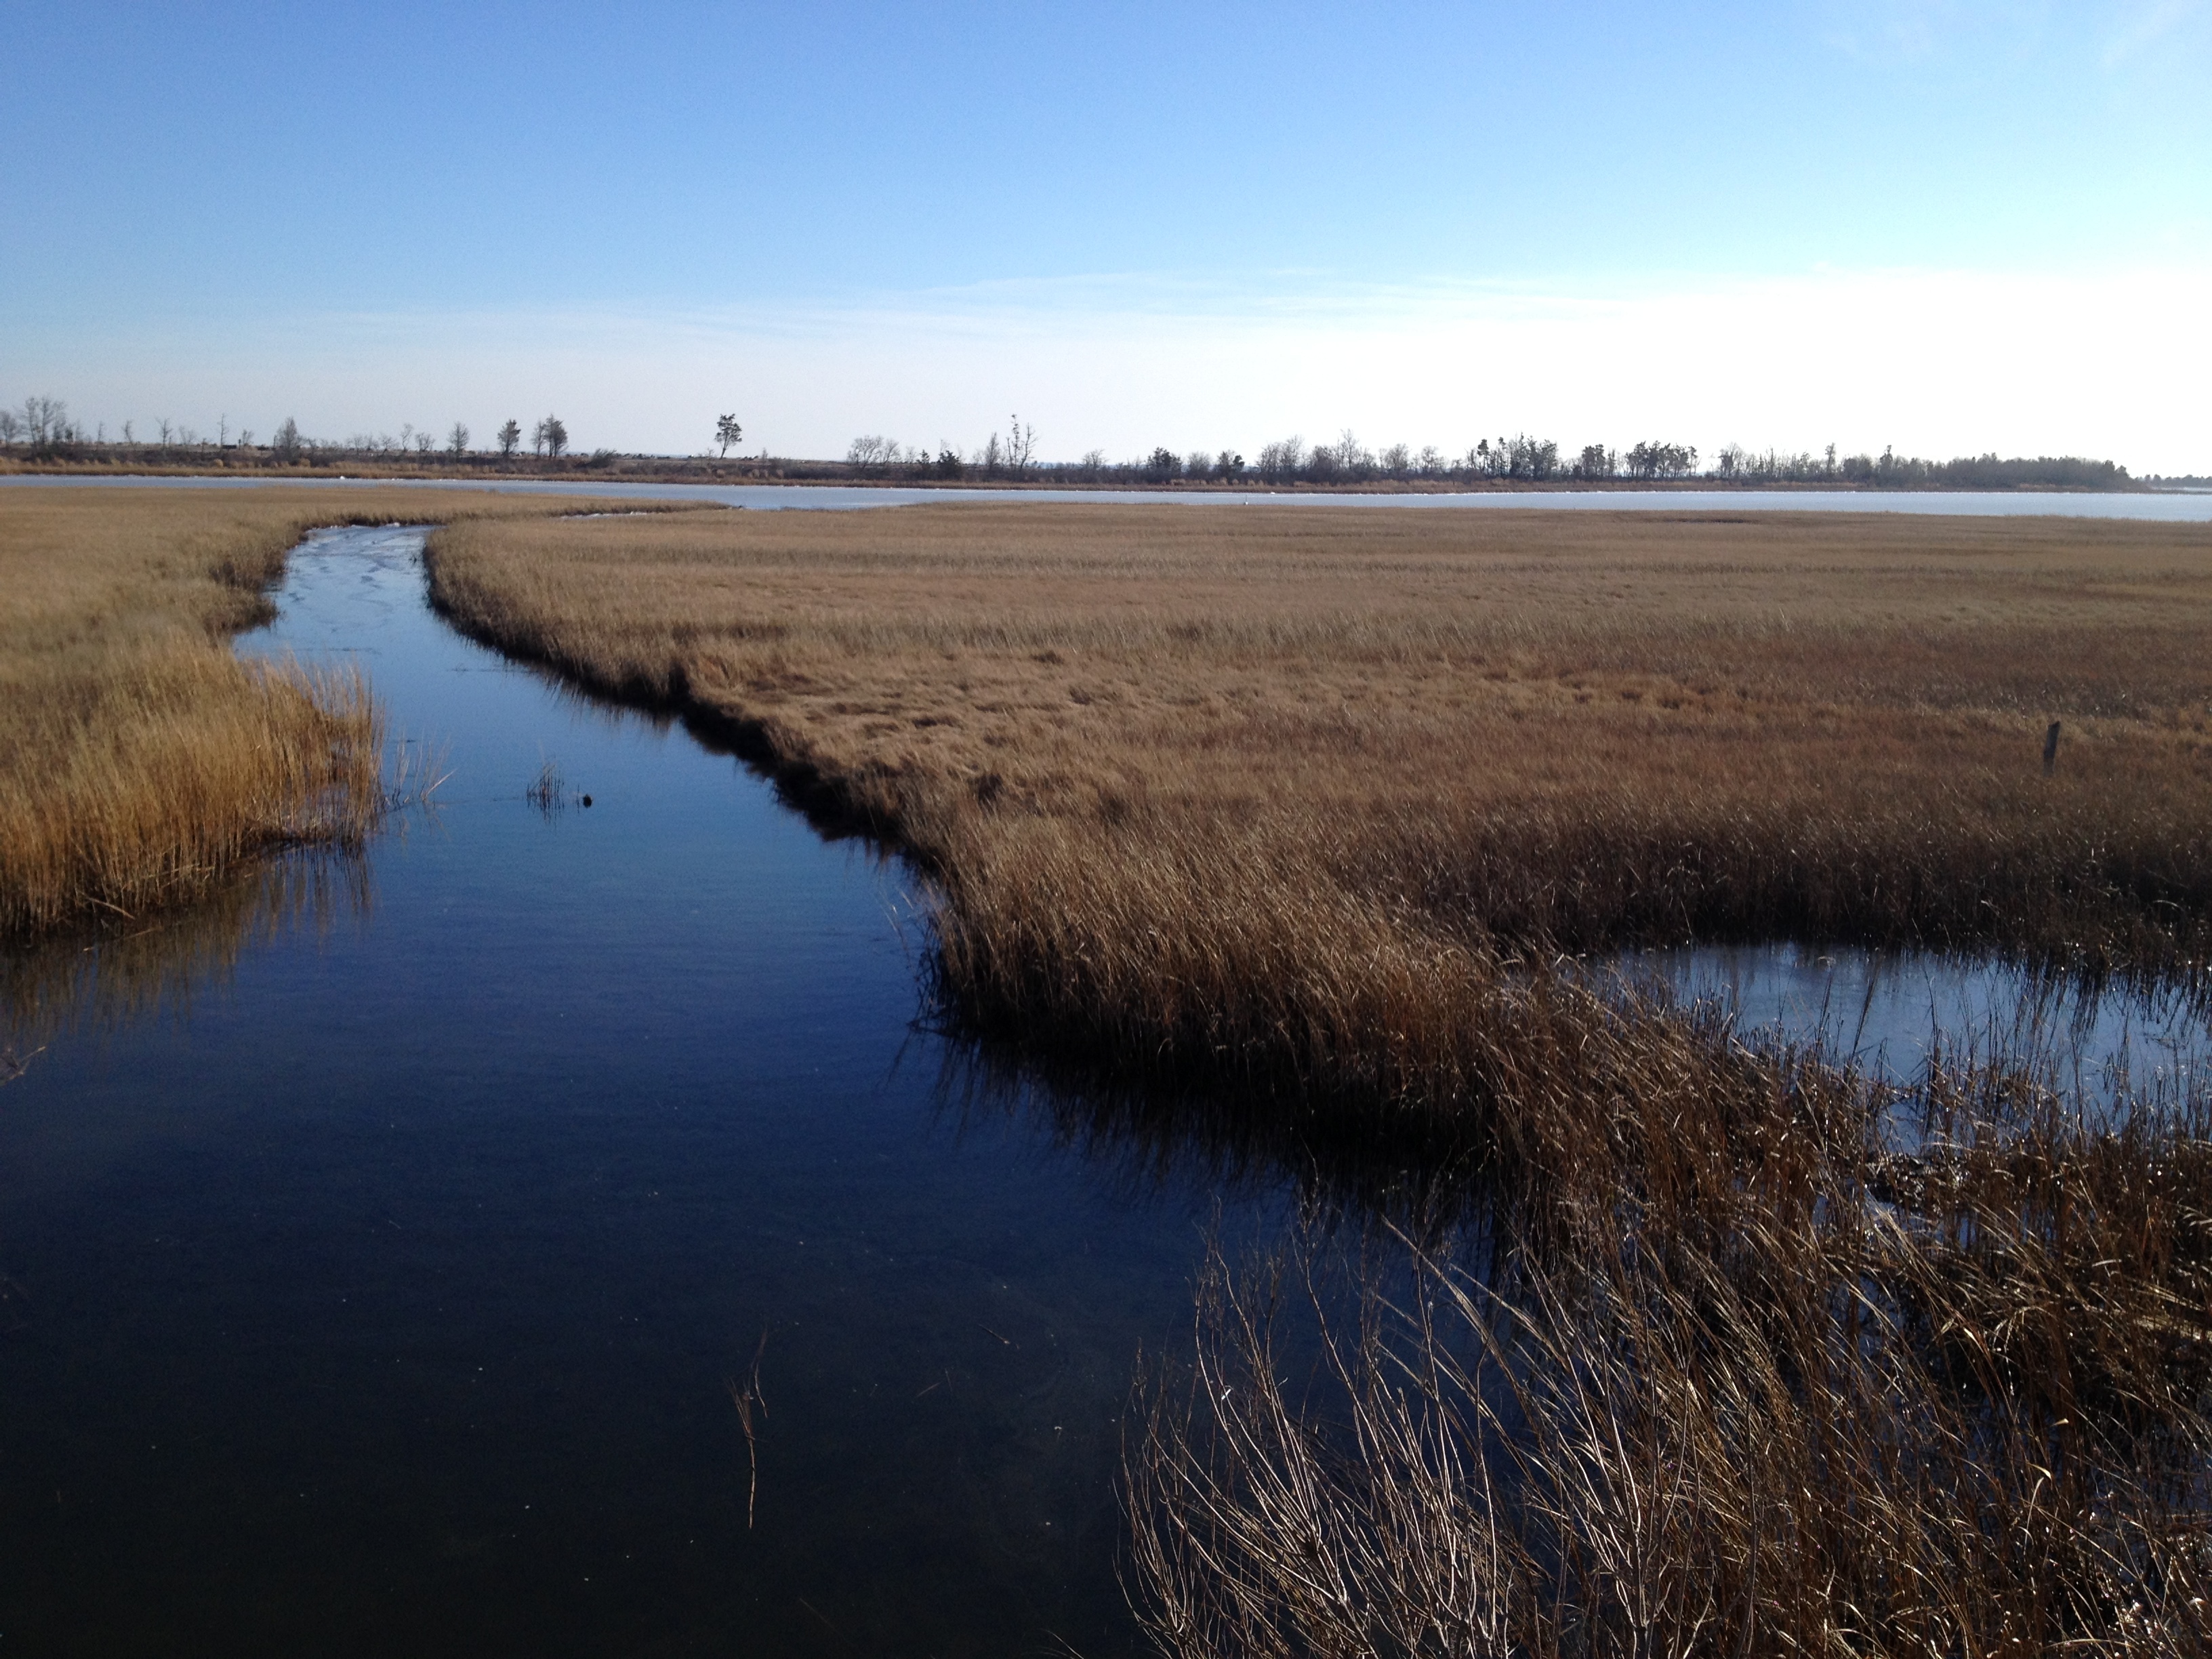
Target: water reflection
{"x": 1894, "y": 1014}
{"x": 99, "y": 978}
{"x": 1420, "y": 1170}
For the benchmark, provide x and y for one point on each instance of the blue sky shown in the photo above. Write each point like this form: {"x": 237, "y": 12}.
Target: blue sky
{"x": 1938, "y": 223}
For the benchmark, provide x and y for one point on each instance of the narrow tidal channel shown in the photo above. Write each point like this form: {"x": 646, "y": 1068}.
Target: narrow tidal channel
{"x": 378, "y": 1286}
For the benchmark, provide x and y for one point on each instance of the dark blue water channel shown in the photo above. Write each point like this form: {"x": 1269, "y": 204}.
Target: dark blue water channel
{"x": 385, "y": 1293}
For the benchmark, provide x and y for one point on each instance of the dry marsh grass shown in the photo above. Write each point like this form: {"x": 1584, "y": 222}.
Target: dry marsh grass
{"x": 140, "y": 762}
{"x": 1736, "y": 1379}
{"x": 1286, "y": 793}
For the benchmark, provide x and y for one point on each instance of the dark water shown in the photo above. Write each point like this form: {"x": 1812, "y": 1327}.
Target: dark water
{"x": 379, "y": 1291}
{"x": 2165, "y": 506}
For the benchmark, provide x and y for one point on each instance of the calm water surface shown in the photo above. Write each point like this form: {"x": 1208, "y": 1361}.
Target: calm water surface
{"x": 2168, "y": 506}
{"x": 382, "y": 1296}
{"x": 1892, "y": 1012}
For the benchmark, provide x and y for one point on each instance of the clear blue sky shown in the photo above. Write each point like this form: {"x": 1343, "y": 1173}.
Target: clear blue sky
{"x": 563, "y": 201}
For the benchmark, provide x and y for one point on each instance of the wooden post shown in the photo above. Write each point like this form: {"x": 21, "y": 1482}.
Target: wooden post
{"x": 2051, "y": 749}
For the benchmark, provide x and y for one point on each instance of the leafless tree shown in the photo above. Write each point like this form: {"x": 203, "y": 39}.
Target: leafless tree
{"x": 1021, "y": 448}
{"x": 1282, "y": 461}
{"x": 458, "y": 438}
{"x": 510, "y": 440}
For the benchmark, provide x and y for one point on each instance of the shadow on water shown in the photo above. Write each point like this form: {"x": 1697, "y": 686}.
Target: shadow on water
{"x": 95, "y": 979}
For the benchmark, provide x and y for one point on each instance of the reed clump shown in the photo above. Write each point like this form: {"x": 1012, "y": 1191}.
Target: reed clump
{"x": 1730, "y": 1374}
{"x": 141, "y": 762}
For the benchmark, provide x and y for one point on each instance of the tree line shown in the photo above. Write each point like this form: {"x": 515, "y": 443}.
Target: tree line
{"x": 42, "y": 428}
{"x": 1520, "y": 458}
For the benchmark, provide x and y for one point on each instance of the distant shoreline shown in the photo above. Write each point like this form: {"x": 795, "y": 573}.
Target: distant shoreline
{"x": 355, "y": 466}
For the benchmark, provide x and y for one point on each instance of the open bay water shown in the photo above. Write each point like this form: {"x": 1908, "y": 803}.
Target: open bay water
{"x": 2169, "y": 505}
{"x": 388, "y": 1278}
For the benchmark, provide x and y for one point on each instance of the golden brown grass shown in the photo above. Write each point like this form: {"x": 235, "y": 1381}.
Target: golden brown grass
{"x": 1285, "y": 789}
{"x": 141, "y": 762}
{"x": 1745, "y": 1384}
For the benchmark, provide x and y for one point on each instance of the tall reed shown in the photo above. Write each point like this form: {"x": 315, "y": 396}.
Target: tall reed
{"x": 1735, "y": 1378}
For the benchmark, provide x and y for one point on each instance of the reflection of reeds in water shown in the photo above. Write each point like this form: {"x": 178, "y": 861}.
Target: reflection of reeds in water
{"x": 547, "y": 792}
{"x": 93, "y": 978}
{"x": 1732, "y": 1375}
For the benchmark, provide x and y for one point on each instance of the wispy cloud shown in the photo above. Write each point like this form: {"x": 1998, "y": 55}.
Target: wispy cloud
{"x": 2149, "y": 26}
{"x": 1926, "y": 32}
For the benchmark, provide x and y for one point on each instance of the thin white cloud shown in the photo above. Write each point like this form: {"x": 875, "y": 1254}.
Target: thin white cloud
{"x": 2150, "y": 25}
{"x": 1914, "y": 33}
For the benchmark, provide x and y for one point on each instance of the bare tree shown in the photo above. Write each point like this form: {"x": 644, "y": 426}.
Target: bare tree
{"x": 550, "y": 437}
{"x": 727, "y": 432}
{"x": 285, "y": 446}
{"x": 510, "y": 440}
{"x": 46, "y": 421}
{"x": 1596, "y": 461}
{"x": 458, "y": 439}
{"x": 1282, "y": 461}
{"x": 1021, "y": 446}
{"x": 11, "y": 426}
{"x": 1655, "y": 459}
